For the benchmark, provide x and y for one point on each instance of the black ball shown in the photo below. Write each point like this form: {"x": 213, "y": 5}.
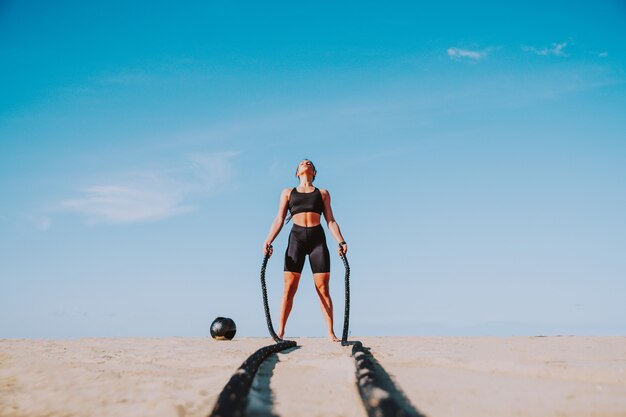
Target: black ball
{"x": 223, "y": 328}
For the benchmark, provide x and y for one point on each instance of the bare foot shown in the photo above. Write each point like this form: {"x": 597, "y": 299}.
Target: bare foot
{"x": 280, "y": 334}
{"x": 333, "y": 338}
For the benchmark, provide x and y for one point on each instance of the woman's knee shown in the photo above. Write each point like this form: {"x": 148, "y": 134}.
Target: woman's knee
{"x": 292, "y": 279}
{"x": 322, "y": 282}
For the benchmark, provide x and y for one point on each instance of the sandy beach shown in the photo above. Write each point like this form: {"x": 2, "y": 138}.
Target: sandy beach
{"x": 441, "y": 376}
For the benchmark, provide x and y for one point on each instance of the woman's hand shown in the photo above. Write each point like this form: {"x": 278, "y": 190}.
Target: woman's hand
{"x": 343, "y": 247}
{"x": 267, "y": 248}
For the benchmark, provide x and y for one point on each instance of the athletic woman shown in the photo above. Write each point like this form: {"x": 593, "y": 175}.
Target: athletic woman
{"x": 306, "y": 203}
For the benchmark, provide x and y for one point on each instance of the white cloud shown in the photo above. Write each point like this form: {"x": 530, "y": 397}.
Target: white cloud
{"x": 556, "y": 49}
{"x": 457, "y": 53}
{"x": 212, "y": 170}
{"x": 151, "y": 195}
{"x": 143, "y": 198}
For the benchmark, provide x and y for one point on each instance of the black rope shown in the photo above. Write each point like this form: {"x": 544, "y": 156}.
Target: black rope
{"x": 268, "y": 318}
{"x": 233, "y": 398}
{"x": 380, "y": 395}
{"x": 346, "y": 313}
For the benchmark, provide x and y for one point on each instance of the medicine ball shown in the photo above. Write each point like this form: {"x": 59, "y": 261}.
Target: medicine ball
{"x": 223, "y": 328}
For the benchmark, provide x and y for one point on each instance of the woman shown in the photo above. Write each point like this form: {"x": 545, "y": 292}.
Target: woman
{"x": 306, "y": 204}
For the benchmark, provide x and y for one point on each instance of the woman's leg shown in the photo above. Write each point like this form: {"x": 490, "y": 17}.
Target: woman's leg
{"x": 322, "y": 287}
{"x": 320, "y": 265}
{"x": 291, "y": 286}
{"x": 294, "y": 262}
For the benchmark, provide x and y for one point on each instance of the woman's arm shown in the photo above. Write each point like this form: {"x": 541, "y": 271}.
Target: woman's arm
{"x": 277, "y": 224}
{"x": 333, "y": 227}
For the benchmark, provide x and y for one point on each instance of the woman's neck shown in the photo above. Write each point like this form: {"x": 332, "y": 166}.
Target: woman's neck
{"x": 306, "y": 182}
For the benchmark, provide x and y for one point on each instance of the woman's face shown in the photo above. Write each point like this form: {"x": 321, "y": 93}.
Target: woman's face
{"x": 304, "y": 167}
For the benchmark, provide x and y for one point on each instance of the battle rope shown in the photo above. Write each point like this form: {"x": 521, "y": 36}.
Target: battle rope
{"x": 380, "y": 395}
{"x": 233, "y": 398}
{"x": 346, "y": 315}
{"x": 268, "y": 318}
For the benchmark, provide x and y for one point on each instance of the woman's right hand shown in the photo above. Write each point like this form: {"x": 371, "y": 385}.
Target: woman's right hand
{"x": 267, "y": 248}
{"x": 343, "y": 248}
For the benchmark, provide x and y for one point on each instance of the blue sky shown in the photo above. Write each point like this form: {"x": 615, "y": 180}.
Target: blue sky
{"x": 475, "y": 155}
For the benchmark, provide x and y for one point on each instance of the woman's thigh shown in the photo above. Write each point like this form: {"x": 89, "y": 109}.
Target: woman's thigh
{"x": 294, "y": 255}
{"x": 319, "y": 258}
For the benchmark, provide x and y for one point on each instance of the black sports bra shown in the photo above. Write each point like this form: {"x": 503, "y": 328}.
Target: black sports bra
{"x": 306, "y": 202}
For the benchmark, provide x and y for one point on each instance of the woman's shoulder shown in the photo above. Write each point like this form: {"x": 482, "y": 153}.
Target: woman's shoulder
{"x": 286, "y": 192}
{"x": 324, "y": 192}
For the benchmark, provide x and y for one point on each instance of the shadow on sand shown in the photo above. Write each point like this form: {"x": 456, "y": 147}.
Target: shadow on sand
{"x": 380, "y": 394}
{"x": 261, "y": 398}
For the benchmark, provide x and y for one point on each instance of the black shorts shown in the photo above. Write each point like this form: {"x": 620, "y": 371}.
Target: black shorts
{"x": 307, "y": 241}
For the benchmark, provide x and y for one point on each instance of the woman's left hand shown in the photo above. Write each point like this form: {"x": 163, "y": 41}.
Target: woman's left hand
{"x": 343, "y": 247}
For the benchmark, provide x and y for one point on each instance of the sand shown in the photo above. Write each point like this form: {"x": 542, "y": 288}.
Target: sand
{"x": 441, "y": 376}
